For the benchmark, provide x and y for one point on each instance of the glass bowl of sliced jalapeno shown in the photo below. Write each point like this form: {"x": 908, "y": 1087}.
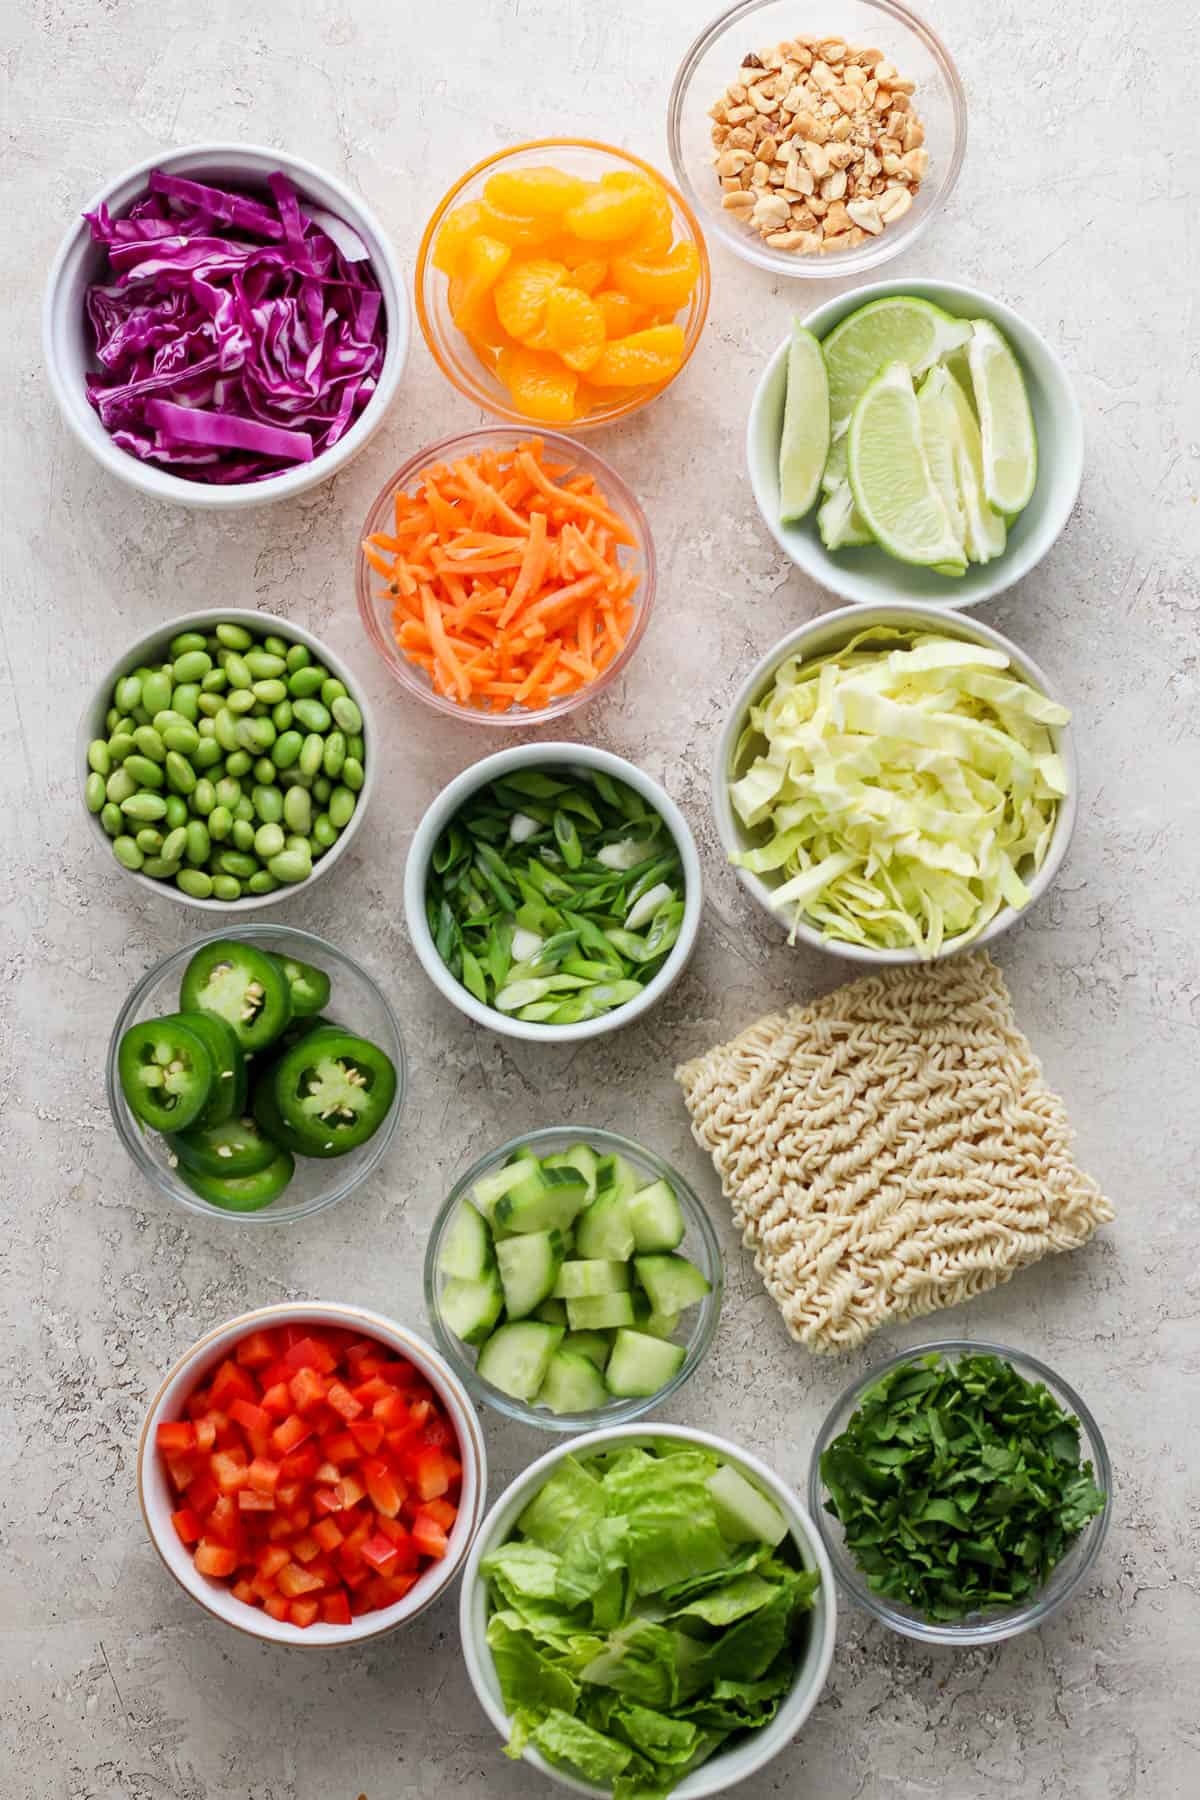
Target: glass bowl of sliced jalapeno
{"x": 257, "y": 1074}
{"x": 226, "y": 759}
{"x": 553, "y": 892}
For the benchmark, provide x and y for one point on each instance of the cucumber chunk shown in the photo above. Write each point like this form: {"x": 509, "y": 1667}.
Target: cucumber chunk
{"x": 573, "y": 1384}
{"x": 600, "y": 1312}
{"x": 580, "y": 1157}
{"x": 471, "y": 1308}
{"x": 542, "y": 1200}
{"x": 490, "y": 1189}
{"x": 617, "y": 1176}
{"x": 654, "y": 1324}
{"x": 657, "y": 1218}
{"x": 595, "y": 1345}
{"x": 516, "y": 1357}
{"x": 581, "y": 1279}
{"x": 603, "y": 1231}
{"x": 529, "y": 1267}
{"x": 641, "y": 1365}
{"x": 671, "y": 1282}
{"x": 467, "y": 1247}
{"x": 744, "y": 1514}
{"x": 554, "y": 1312}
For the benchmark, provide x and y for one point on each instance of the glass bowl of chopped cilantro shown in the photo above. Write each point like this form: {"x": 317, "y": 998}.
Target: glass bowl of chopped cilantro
{"x": 962, "y": 1490}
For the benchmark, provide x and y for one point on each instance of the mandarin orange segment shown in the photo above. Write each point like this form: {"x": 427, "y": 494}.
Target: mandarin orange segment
{"x": 521, "y": 297}
{"x": 541, "y": 192}
{"x": 482, "y": 262}
{"x": 521, "y": 231}
{"x": 539, "y": 385}
{"x": 487, "y": 336}
{"x": 654, "y": 236}
{"x": 641, "y": 359}
{"x": 621, "y": 314}
{"x": 588, "y": 274}
{"x": 611, "y": 209}
{"x": 454, "y": 233}
{"x": 662, "y": 282}
{"x": 574, "y": 327}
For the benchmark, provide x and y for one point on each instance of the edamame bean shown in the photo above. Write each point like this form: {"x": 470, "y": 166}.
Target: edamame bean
{"x": 182, "y": 738}
{"x": 244, "y": 808}
{"x": 324, "y": 831}
{"x": 229, "y": 791}
{"x": 240, "y": 701}
{"x": 220, "y": 823}
{"x": 341, "y": 807}
{"x": 356, "y": 746}
{"x": 127, "y": 693}
{"x": 147, "y": 774}
{"x": 282, "y": 715}
{"x": 322, "y": 787}
{"x": 237, "y": 672}
{"x": 127, "y": 853}
{"x": 234, "y": 637}
{"x": 144, "y": 807}
{"x": 210, "y": 705}
{"x": 312, "y": 715}
{"x": 312, "y": 753}
{"x": 199, "y": 844}
{"x": 306, "y": 680}
{"x": 297, "y": 810}
{"x": 196, "y": 882}
{"x": 119, "y": 745}
{"x": 270, "y": 691}
{"x": 94, "y": 792}
{"x": 175, "y": 845}
{"x": 177, "y": 812}
{"x": 99, "y": 757}
{"x": 225, "y": 729}
{"x": 156, "y": 692}
{"x": 286, "y": 748}
{"x": 185, "y": 641}
{"x": 264, "y": 772}
{"x": 262, "y": 882}
{"x": 236, "y": 862}
{"x": 268, "y": 803}
{"x": 268, "y": 841}
{"x": 120, "y": 785}
{"x": 207, "y": 754}
{"x": 238, "y": 763}
{"x": 332, "y": 689}
{"x": 112, "y": 818}
{"x": 274, "y": 644}
{"x": 353, "y": 774}
{"x": 265, "y": 665}
{"x": 226, "y": 887}
{"x": 112, "y": 719}
{"x": 256, "y": 735}
{"x": 149, "y": 840}
{"x": 335, "y": 754}
{"x": 215, "y": 682}
{"x": 150, "y": 743}
{"x": 345, "y": 713}
{"x": 298, "y": 657}
{"x": 291, "y": 866}
{"x": 193, "y": 665}
{"x": 242, "y": 834}
{"x": 186, "y": 700}
{"x": 159, "y": 869}
{"x": 204, "y": 797}
{"x": 181, "y": 776}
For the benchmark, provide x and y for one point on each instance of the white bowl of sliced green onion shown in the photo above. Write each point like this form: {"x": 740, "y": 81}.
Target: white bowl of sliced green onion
{"x": 553, "y": 892}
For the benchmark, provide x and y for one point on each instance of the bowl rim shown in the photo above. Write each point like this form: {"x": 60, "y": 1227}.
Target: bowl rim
{"x": 997, "y": 1626}
{"x": 467, "y": 1429}
{"x": 849, "y": 621}
{"x": 478, "y": 392}
{"x": 786, "y": 1724}
{"x": 214, "y": 497}
{"x": 447, "y": 802}
{"x": 298, "y": 940}
{"x": 876, "y": 251}
{"x": 844, "y": 579}
{"x": 403, "y": 672}
{"x": 206, "y": 619}
{"x": 709, "y": 1312}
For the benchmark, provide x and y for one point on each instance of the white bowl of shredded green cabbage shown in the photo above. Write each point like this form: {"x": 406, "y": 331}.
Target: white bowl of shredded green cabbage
{"x": 895, "y": 784}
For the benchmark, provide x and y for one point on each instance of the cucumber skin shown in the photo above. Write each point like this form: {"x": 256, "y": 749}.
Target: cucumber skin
{"x": 641, "y": 1366}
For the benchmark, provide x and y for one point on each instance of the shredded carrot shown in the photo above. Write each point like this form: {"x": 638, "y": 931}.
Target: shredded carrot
{"x": 508, "y": 577}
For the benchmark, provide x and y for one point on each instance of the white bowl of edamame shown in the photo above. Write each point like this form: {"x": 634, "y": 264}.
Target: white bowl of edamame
{"x": 227, "y": 759}
{"x": 553, "y": 892}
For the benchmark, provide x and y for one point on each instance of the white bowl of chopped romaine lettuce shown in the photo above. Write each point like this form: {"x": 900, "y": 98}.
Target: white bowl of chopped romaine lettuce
{"x": 895, "y": 783}
{"x": 648, "y": 1612}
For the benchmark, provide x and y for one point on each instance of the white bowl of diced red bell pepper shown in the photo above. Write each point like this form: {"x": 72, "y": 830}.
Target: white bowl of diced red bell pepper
{"x": 312, "y": 1473}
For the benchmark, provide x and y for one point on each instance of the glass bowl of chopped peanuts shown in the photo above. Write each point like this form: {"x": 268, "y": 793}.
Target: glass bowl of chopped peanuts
{"x": 824, "y": 154}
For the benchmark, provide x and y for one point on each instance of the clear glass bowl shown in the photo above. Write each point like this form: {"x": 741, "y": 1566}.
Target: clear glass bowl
{"x": 984, "y": 1627}
{"x": 699, "y": 1246}
{"x": 886, "y": 25}
{"x": 356, "y": 1001}
{"x": 375, "y": 602}
{"x": 452, "y": 352}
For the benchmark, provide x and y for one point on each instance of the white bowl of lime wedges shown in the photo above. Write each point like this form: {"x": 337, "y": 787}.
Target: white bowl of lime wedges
{"x": 934, "y": 445}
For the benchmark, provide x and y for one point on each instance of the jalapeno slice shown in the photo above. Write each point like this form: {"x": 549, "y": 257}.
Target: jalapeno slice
{"x": 243, "y": 1193}
{"x": 166, "y": 1073}
{"x": 228, "y": 1093}
{"x": 330, "y": 1093}
{"x": 244, "y": 986}
{"x": 309, "y": 986}
{"x": 234, "y": 1147}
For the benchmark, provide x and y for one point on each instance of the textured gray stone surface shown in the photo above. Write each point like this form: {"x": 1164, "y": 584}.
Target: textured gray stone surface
{"x": 1077, "y": 204}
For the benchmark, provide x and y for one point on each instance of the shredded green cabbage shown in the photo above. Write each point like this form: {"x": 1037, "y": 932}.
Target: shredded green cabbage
{"x": 903, "y": 795}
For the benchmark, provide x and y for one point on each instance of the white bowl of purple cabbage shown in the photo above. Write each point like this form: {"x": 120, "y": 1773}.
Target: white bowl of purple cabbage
{"x": 225, "y": 326}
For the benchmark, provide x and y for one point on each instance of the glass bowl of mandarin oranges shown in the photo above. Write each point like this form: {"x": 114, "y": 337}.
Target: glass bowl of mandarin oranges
{"x": 562, "y": 282}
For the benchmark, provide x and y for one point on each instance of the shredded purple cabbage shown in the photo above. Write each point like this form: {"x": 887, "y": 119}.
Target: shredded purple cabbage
{"x": 234, "y": 338}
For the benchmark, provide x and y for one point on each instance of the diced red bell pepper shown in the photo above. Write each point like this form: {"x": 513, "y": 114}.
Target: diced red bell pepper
{"x": 232, "y": 1383}
{"x": 294, "y": 1581}
{"x": 250, "y": 1416}
{"x": 325, "y": 1500}
{"x": 270, "y": 1559}
{"x": 303, "y": 1612}
{"x": 349, "y": 1491}
{"x": 335, "y": 1608}
{"x": 206, "y": 1433}
{"x": 429, "y": 1471}
{"x": 215, "y": 1559}
{"x": 440, "y": 1433}
{"x": 328, "y": 1533}
{"x": 428, "y": 1536}
{"x": 310, "y": 1353}
{"x": 293, "y": 1431}
{"x": 392, "y": 1410}
{"x": 443, "y": 1512}
{"x": 343, "y": 1401}
{"x": 222, "y": 1521}
{"x": 300, "y": 1465}
{"x": 263, "y": 1474}
{"x": 230, "y": 1471}
{"x": 251, "y": 1500}
{"x": 244, "y": 1590}
{"x": 308, "y": 1389}
{"x": 367, "y": 1434}
{"x": 202, "y": 1493}
{"x": 380, "y": 1552}
{"x": 176, "y": 1437}
{"x": 277, "y": 1400}
{"x": 187, "y": 1524}
{"x": 340, "y": 1447}
{"x": 182, "y": 1471}
{"x": 386, "y": 1495}
{"x": 305, "y": 1548}
{"x": 278, "y": 1607}
{"x": 256, "y": 1350}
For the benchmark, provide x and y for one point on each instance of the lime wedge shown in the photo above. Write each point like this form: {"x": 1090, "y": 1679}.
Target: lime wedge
{"x": 893, "y": 485}
{"x": 804, "y": 444}
{"x": 899, "y": 329}
{"x": 838, "y": 520}
{"x": 952, "y": 442}
{"x": 1005, "y": 420}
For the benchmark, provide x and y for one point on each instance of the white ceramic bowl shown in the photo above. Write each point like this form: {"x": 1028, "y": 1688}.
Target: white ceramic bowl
{"x": 819, "y": 637}
{"x": 755, "y": 1749}
{"x": 65, "y": 336}
{"x": 448, "y": 802}
{"x": 157, "y": 1503}
{"x": 869, "y": 574}
{"x": 146, "y": 649}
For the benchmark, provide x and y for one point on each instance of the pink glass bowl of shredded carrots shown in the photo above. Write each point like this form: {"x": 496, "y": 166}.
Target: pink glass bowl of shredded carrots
{"x": 506, "y": 575}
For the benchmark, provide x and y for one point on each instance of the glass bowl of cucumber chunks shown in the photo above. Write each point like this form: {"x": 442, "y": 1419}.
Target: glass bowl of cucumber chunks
{"x": 573, "y": 1277}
